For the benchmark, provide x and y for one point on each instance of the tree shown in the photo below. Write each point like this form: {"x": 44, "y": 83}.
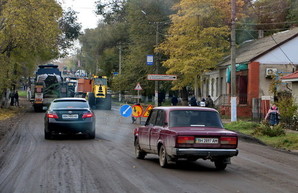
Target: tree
{"x": 70, "y": 30}
{"x": 197, "y": 40}
{"x": 29, "y": 35}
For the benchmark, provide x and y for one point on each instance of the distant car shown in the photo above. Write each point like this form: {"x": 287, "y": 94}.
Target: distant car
{"x": 187, "y": 133}
{"x": 69, "y": 116}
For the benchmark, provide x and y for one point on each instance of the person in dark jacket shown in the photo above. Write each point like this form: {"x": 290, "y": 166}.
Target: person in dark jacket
{"x": 193, "y": 101}
{"x": 174, "y": 100}
{"x": 209, "y": 102}
{"x": 16, "y": 99}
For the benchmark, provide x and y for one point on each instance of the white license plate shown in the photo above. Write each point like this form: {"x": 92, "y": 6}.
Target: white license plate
{"x": 70, "y": 116}
{"x": 207, "y": 140}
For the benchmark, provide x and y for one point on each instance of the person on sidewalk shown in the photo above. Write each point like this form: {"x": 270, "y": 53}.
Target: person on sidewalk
{"x": 16, "y": 99}
{"x": 209, "y": 102}
{"x": 273, "y": 115}
{"x": 174, "y": 101}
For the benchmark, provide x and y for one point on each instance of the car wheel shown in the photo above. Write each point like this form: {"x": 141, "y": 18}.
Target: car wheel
{"x": 138, "y": 152}
{"x": 47, "y": 135}
{"x": 220, "y": 164}
{"x": 163, "y": 157}
{"x": 91, "y": 134}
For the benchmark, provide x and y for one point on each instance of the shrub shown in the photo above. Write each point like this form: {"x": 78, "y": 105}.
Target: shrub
{"x": 265, "y": 129}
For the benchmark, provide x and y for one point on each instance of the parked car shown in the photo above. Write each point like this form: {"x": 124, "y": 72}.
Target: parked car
{"x": 187, "y": 133}
{"x": 69, "y": 116}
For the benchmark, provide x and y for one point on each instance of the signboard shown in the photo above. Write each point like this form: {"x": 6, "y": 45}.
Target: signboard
{"x": 147, "y": 111}
{"x": 138, "y": 87}
{"x": 150, "y": 59}
{"x": 137, "y": 110}
{"x": 125, "y": 110}
{"x": 161, "y": 77}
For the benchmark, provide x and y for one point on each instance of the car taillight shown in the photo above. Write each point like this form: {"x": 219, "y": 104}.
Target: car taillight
{"x": 185, "y": 139}
{"x": 87, "y": 115}
{"x": 52, "y": 115}
{"x": 228, "y": 140}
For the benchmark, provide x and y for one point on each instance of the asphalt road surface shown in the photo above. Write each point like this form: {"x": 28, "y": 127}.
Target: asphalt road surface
{"x": 31, "y": 164}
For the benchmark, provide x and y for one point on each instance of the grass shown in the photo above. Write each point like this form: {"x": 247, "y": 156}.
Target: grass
{"x": 289, "y": 141}
{"x": 8, "y": 113}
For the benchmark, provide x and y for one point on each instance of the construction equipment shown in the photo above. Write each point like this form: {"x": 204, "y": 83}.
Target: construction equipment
{"x": 47, "y": 85}
{"x": 95, "y": 90}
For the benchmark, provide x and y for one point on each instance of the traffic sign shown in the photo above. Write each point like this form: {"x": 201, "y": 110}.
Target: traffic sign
{"x": 138, "y": 87}
{"x": 125, "y": 110}
{"x": 147, "y": 111}
{"x": 137, "y": 110}
{"x": 150, "y": 59}
{"x": 161, "y": 77}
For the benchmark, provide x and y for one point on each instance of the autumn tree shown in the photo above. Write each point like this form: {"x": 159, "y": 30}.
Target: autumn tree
{"x": 30, "y": 34}
{"x": 197, "y": 40}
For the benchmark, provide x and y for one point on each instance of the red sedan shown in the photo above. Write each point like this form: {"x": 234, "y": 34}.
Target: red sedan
{"x": 188, "y": 133}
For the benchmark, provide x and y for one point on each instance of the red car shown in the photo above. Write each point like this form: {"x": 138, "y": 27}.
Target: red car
{"x": 185, "y": 133}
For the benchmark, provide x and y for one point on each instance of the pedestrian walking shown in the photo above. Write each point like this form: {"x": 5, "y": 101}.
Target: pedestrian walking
{"x": 174, "y": 100}
{"x": 273, "y": 115}
{"x": 16, "y": 99}
{"x": 203, "y": 102}
{"x": 193, "y": 101}
{"x": 11, "y": 96}
{"x": 209, "y": 102}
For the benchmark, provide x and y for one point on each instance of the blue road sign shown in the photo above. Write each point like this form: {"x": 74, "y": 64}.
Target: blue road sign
{"x": 125, "y": 110}
{"x": 150, "y": 59}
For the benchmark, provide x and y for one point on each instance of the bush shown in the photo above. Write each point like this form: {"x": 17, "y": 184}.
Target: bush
{"x": 288, "y": 111}
{"x": 265, "y": 129}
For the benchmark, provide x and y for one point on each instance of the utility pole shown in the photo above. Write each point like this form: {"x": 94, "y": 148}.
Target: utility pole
{"x": 233, "y": 62}
{"x": 156, "y": 67}
{"x": 120, "y": 54}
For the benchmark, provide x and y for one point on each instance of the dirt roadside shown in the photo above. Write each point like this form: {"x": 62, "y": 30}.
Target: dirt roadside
{"x": 7, "y": 124}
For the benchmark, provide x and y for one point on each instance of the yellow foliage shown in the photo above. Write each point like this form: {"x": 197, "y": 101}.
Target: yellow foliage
{"x": 198, "y": 38}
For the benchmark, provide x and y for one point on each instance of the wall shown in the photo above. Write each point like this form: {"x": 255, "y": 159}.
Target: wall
{"x": 266, "y": 82}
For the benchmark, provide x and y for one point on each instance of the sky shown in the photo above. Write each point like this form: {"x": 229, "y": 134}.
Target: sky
{"x": 85, "y": 9}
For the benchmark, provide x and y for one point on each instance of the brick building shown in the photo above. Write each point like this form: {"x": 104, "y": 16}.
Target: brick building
{"x": 256, "y": 62}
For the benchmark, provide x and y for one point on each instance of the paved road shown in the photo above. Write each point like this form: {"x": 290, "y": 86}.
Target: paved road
{"x": 30, "y": 164}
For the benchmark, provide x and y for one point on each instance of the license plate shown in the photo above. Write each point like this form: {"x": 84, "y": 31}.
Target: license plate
{"x": 70, "y": 116}
{"x": 207, "y": 140}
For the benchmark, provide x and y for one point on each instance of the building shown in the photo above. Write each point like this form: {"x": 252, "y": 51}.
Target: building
{"x": 257, "y": 61}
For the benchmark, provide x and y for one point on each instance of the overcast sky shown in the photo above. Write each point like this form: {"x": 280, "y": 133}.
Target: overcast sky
{"x": 85, "y": 9}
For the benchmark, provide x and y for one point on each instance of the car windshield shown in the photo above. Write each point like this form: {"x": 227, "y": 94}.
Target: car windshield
{"x": 68, "y": 104}
{"x": 194, "y": 118}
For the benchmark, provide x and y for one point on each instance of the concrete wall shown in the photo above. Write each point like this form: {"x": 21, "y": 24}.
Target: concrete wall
{"x": 265, "y": 82}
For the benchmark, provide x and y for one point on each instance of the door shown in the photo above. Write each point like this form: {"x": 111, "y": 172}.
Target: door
{"x": 144, "y": 132}
{"x": 155, "y": 130}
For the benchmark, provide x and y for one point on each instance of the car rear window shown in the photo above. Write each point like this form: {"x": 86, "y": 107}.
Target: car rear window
{"x": 69, "y": 104}
{"x": 194, "y": 118}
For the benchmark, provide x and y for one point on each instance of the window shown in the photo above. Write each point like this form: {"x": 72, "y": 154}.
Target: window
{"x": 69, "y": 104}
{"x": 160, "y": 118}
{"x": 194, "y": 118}
{"x": 152, "y": 118}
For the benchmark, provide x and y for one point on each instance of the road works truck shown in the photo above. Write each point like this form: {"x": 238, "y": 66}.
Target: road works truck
{"x": 47, "y": 85}
{"x": 95, "y": 90}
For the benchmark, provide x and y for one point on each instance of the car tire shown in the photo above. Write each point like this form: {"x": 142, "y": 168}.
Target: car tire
{"x": 91, "y": 134}
{"x": 138, "y": 152}
{"x": 47, "y": 135}
{"x": 163, "y": 157}
{"x": 220, "y": 164}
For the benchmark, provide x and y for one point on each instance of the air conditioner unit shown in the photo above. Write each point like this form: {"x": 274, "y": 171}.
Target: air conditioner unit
{"x": 271, "y": 72}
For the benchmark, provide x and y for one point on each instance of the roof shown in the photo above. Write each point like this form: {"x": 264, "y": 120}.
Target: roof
{"x": 70, "y": 99}
{"x": 253, "y": 49}
{"x": 185, "y": 108}
{"x": 290, "y": 77}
